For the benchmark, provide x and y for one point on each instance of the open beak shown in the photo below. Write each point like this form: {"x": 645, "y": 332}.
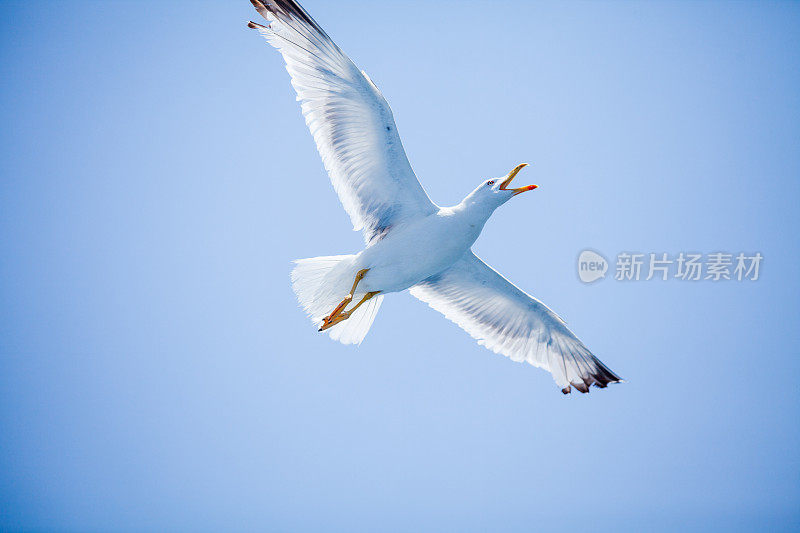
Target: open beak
{"x": 511, "y": 175}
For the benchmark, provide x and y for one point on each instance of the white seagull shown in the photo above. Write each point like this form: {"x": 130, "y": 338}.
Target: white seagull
{"x": 411, "y": 243}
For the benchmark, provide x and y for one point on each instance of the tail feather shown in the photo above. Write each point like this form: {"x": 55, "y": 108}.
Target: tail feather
{"x": 320, "y": 283}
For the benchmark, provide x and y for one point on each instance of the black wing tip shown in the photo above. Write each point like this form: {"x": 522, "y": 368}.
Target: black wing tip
{"x": 260, "y": 7}
{"x": 256, "y": 25}
{"x": 583, "y": 387}
{"x": 603, "y": 376}
{"x": 600, "y": 379}
{"x": 285, "y": 8}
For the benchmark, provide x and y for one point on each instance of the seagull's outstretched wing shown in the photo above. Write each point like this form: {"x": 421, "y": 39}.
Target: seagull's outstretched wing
{"x": 506, "y": 320}
{"x": 350, "y": 120}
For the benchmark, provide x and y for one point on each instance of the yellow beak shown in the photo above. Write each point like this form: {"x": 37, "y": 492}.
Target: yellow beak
{"x": 511, "y": 175}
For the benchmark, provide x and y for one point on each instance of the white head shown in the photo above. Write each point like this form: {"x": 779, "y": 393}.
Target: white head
{"x": 492, "y": 193}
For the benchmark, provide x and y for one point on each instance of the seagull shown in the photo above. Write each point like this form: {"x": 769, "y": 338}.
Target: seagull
{"x": 410, "y": 242}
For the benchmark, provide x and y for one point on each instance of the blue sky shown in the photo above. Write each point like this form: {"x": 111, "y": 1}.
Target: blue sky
{"x": 156, "y": 180}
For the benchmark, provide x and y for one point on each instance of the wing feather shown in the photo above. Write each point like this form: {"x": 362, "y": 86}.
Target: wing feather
{"x": 351, "y": 122}
{"x": 508, "y": 321}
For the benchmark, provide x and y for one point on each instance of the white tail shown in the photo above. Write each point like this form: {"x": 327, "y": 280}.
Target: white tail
{"x": 320, "y": 283}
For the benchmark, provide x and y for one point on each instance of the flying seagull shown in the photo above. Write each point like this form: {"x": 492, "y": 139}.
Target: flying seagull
{"x": 411, "y": 243}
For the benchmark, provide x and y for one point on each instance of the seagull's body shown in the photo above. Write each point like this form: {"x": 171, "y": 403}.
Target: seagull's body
{"x": 419, "y": 249}
{"x": 411, "y": 243}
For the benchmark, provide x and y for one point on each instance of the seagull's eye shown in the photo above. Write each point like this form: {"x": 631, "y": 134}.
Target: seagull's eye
{"x": 490, "y": 182}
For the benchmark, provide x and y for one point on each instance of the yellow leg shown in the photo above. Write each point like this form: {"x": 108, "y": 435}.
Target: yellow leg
{"x": 344, "y": 315}
{"x": 338, "y": 314}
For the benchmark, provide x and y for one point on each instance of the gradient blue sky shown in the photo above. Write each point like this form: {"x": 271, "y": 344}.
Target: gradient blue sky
{"x": 156, "y": 180}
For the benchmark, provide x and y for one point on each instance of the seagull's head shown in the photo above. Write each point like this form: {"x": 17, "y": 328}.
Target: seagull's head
{"x": 494, "y": 192}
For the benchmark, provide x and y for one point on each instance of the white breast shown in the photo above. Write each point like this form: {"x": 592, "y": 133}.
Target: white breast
{"x": 412, "y": 253}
